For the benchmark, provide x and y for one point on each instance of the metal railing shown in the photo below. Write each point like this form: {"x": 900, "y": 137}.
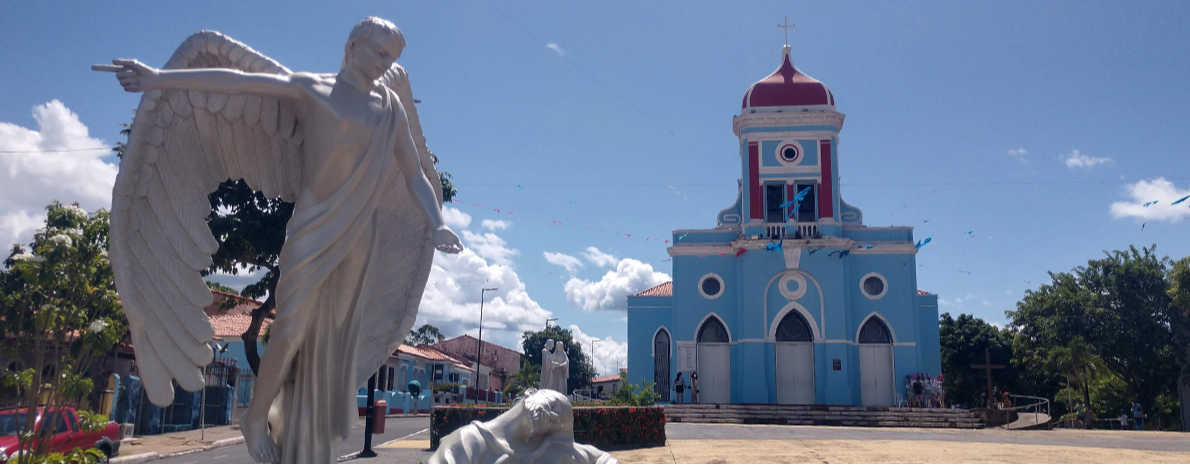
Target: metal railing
{"x": 793, "y": 230}
{"x": 1036, "y": 406}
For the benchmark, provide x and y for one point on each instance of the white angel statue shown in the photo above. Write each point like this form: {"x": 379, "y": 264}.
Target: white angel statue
{"x": 347, "y": 149}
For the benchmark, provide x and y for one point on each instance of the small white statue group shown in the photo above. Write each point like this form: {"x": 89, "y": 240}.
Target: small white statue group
{"x": 537, "y": 429}
{"x": 555, "y": 366}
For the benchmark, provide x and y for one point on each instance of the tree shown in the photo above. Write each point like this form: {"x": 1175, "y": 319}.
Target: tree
{"x": 1179, "y": 295}
{"x": 59, "y": 305}
{"x": 529, "y": 376}
{"x": 963, "y": 343}
{"x": 1079, "y": 364}
{"x": 1120, "y": 306}
{"x": 581, "y": 369}
{"x": 426, "y": 334}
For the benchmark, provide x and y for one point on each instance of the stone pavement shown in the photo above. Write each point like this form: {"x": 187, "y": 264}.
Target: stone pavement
{"x": 706, "y": 443}
{"x": 152, "y": 448}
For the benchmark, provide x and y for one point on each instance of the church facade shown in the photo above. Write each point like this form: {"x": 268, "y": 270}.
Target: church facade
{"x": 790, "y": 298}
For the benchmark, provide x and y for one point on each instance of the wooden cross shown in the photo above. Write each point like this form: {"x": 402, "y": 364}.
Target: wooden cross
{"x": 987, "y": 365}
{"x": 786, "y": 26}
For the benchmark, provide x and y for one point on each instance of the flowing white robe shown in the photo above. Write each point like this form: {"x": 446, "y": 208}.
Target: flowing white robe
{"x": 327, "y": 294}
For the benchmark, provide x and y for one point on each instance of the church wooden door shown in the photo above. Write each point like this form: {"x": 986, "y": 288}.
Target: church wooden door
{"x": 661, "y": 365}
{"x": 795, "y": 360}
{"x": 875, "y": 364}
{"x": 713, "y": 355}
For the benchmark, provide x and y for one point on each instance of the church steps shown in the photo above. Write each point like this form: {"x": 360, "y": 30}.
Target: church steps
{"x": 822, "y": 415}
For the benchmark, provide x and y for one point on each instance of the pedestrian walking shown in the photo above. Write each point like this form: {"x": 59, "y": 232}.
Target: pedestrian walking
{"x": 1138, "y": 417}
{"x": 680, "y": 387}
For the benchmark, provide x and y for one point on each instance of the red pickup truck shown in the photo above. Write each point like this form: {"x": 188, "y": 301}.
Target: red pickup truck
{"x": 64, "y": 439}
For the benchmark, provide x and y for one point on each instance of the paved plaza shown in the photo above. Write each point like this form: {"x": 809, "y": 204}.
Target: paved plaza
{"x": 705, "y": 443}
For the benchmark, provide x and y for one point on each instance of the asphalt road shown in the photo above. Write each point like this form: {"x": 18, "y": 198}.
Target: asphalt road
{"x": 394, "y": 428}
{"x": 1137, "y": 440}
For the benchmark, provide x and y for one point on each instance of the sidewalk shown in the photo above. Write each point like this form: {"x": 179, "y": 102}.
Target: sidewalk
{"x": 143, "y": 449}
{"x": 148, "y": 448}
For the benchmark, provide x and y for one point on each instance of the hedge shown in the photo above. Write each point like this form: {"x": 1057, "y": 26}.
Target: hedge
{"x": 607, "y": 428}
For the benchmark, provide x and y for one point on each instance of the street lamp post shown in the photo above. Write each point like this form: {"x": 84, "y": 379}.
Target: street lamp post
{"x": 547, "y": 322}
{"x": 479, "y": 350}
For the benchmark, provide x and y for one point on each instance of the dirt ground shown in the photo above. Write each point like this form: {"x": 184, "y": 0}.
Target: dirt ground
{"x": 877, "y": 451}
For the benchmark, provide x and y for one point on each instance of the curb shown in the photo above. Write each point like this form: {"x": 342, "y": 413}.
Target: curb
{"x": 151, "y": 456}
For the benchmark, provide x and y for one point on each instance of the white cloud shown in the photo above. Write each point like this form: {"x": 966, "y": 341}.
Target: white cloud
{"x": 451, "y": 299}
{"x": 987, "y": 303}
{"x": 609, "y": 354}
{"x": 1076, "y": 159}
{"x": 1019, "y": 154}
{"x": 455, "y": 218}
{"x": 598, "y": 258}
{"x": 565, "y": 261}
{"x": 611, "y": 292}
{"x": 495, "y": 225}
{"x": 490, "y": 246}
{"x": 30, "y": 180}
{"x": 556, "y": 48}
{"x": 1144, "y": 191}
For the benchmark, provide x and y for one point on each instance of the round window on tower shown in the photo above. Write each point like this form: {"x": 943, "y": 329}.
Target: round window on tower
{"x": 873, "y": 286}
{"x": 789, "y": 153}
{"x": 710, "y": 286}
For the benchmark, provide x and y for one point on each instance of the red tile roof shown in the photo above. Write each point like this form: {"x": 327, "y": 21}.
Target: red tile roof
{"x": 233, "y": 326}
{"x": 665, "y": 289}
{"x": 429, "y": 353}
{"x": 606, "y": 379}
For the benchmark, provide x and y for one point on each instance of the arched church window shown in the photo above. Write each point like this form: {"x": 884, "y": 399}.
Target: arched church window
{"x": 874, "y": 332}
{"x": 793, "y": 328}
{"x": 712, "y": 331}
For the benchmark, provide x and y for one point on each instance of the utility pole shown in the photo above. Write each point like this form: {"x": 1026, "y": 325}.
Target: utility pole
{"x": 593, "y": 341}
{"x": 368, "y": 420}
{"x": 479, "y": 350}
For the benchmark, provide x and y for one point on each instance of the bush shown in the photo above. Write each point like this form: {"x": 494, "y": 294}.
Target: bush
{"x": 603, "y": 427}
{"x": 445, "y": 387}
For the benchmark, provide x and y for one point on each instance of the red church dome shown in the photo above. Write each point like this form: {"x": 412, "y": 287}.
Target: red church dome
{"x": 787, "y": 87}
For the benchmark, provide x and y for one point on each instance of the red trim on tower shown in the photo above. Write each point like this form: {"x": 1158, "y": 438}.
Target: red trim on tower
{"x": 826, "y": 197}
{"x": 790, "y": 193}
{"x": 755, "y": 197}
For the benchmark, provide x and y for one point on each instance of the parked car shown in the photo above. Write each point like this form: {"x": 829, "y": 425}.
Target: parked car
{"x": 66, "y": 435}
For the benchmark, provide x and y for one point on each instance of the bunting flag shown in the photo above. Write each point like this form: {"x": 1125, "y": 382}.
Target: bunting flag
{"x": 1150, "y": 203}
{"x": 795, "y": 203}
{"x": 774, "y": 246}
{"x": 1183, "y": 199}
{"x": 921, "y": 244}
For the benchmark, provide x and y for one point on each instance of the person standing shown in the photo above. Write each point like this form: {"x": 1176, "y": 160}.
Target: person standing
{"x": 693, "y": 387}
{"x": 680, "y": 387}
{"x": 1138, "y": 417}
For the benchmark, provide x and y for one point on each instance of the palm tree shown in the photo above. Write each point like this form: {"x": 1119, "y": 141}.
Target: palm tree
{"x": 1077, "y": 362}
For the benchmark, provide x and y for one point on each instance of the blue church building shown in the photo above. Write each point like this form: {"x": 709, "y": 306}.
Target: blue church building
{"x": 790, "y": 298}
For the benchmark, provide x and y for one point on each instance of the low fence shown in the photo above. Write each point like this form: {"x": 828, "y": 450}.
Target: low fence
{"x": 212, "y": 406}
{"x": 603, "y": 427}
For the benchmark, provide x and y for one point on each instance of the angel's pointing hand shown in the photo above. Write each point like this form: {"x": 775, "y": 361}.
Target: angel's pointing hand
{"x": 134, "y": 76}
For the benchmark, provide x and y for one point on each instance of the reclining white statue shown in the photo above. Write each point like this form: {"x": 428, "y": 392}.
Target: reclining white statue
{"x": 537, "y": 429}
{"x": 347, "y": 149}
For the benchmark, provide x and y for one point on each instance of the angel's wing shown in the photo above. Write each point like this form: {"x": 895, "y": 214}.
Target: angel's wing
{"x": 406, "y": 253}
{"x": 183, "y": 144}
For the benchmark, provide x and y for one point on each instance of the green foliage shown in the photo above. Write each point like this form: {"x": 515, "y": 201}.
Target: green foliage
{"x": 1079, "y": 364}
{"x": 58, "y": 302}
{"x": 91, "y": 422}
{"x": 1125, "y": 308}
{"x": 602, "y": 427}
{"x": 629, "y": 394}
{"x": 445, "y": 387}
{"x": 529, "y": 376}
{"x": 90, "y": 455}
{"x": 581, "y": 369}
{"x": 963, "y": 342}
{"x": 426, "y": 334}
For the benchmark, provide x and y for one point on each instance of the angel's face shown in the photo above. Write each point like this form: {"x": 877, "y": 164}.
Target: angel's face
{"x": 373, "y": 55}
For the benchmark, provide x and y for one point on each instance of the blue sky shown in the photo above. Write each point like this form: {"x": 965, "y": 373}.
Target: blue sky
{"x": 1021, "y": 122}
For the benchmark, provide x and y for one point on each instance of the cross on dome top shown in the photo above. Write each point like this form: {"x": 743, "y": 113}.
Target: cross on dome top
{"x": 786, "y": 26}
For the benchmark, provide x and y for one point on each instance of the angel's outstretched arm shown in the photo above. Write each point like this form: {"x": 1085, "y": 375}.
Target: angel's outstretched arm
{"x": 421, "y": 189}
{"x": 137, "y": 77}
